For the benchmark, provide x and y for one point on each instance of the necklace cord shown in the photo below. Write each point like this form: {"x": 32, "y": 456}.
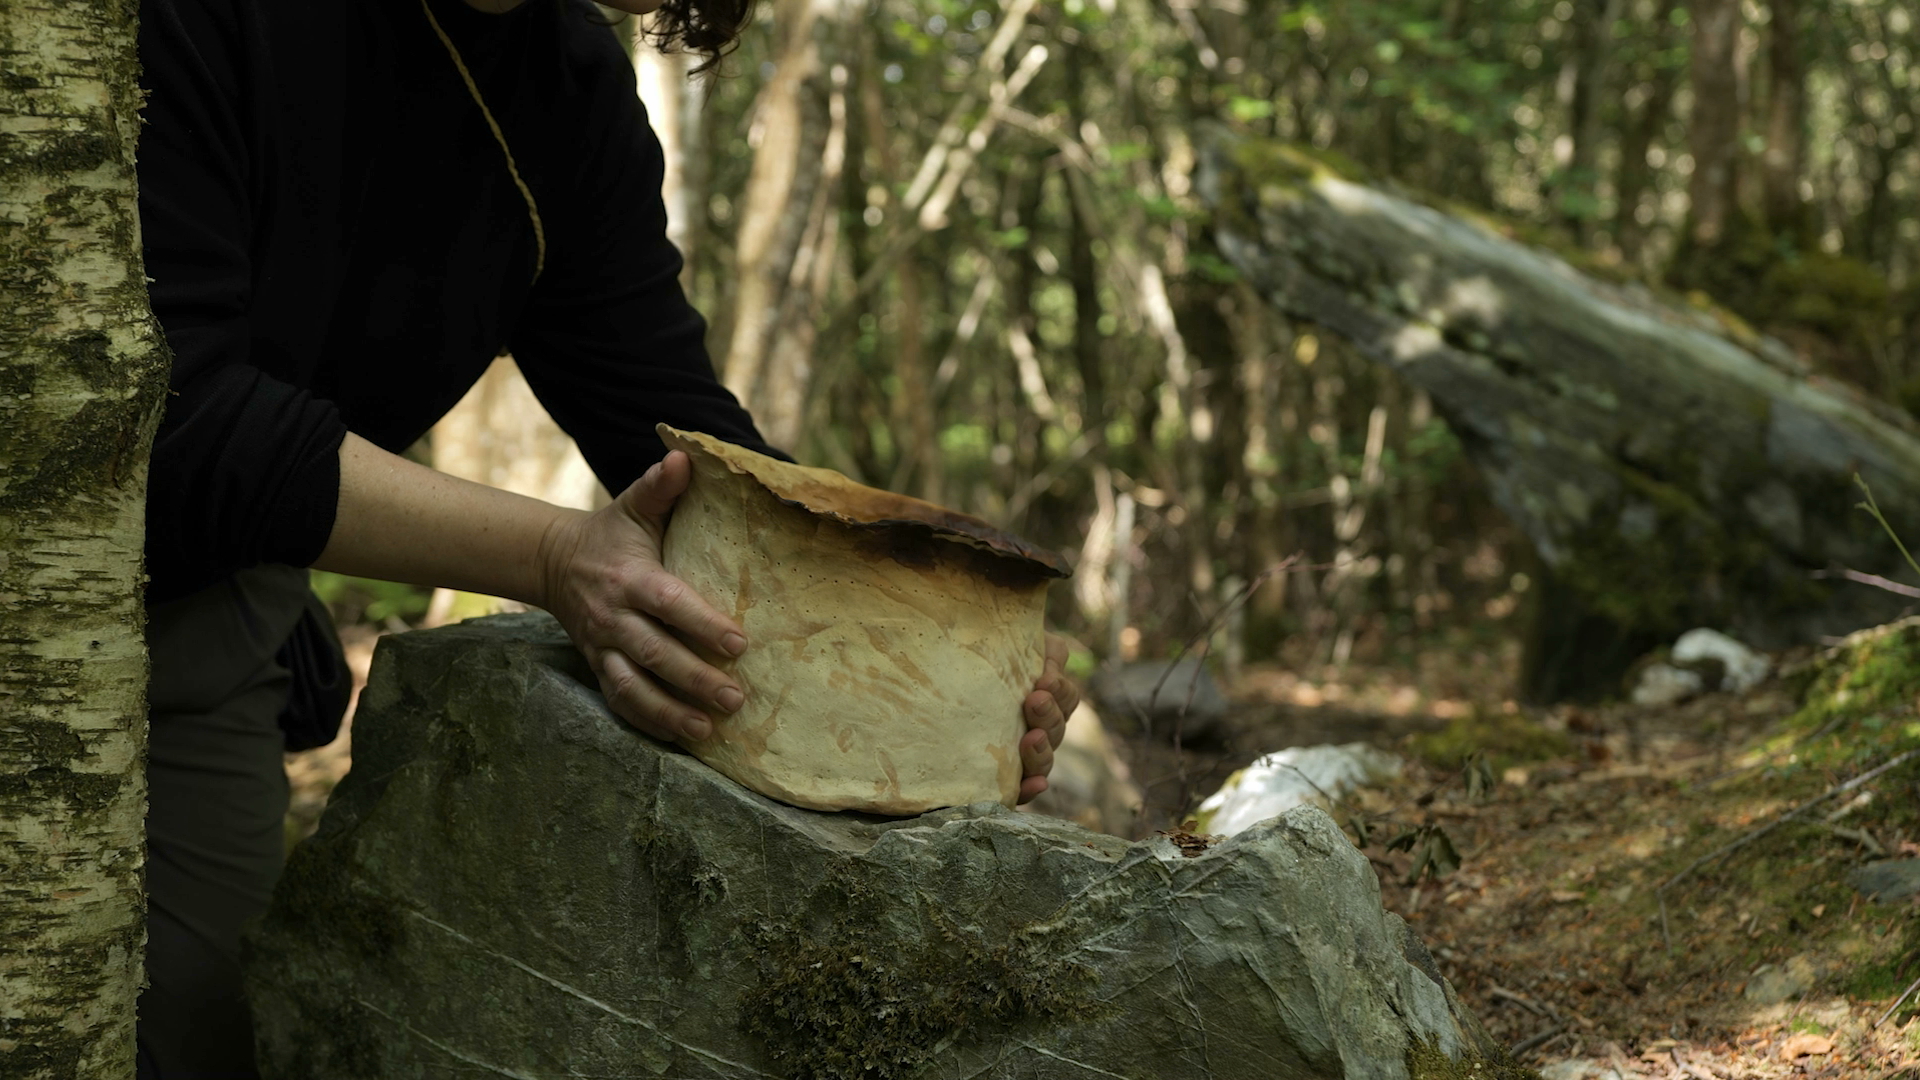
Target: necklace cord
{"x": 513, "y": 170}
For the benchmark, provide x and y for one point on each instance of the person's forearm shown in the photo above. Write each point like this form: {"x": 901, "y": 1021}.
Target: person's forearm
{"x": 399, "y": 521}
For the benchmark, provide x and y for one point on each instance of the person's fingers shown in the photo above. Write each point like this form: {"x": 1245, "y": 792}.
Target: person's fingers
{"x": 654, "y": 493}
{"x": 676, "y": 604}
{"x": 1057, "y": 651}
{"x": 1036, "y": 754}
{"x": 636, "y": 698}
{"x": 1066, "y": 694}
{"x": 1054, "y": 681}
{"x": 1036, "y": 761}
{"x": 649, "y": 647}
{"x": 1042, "y": 711}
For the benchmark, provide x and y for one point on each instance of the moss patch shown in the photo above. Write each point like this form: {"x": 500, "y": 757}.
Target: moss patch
{"x": 852, "y": 1000}
{"x": 1885, "y": 977}
{"x": 1869, "y": 685}
{"x": 1426, "y": 1061}
{"x": 319, "y": 897}
{"x": 1504, "y": 739}
{"x": 1611, "y": 568}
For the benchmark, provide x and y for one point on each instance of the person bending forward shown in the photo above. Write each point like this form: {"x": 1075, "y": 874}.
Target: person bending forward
{"x": 349, "y": 209}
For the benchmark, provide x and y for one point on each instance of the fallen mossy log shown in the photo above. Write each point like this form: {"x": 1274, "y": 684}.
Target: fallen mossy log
{"x": 1670, "y": 467}
{"x": 513, "y": 883}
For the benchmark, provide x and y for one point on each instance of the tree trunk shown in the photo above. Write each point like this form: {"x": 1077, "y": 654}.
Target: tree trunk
{"x": 1785, "y": 157}
{"x": 1671, "y": 469}
{"x": 82, "y": 372}
{"x": 499, "y": 435}
{"x": 1082, "y": 273}
{"x": 1714, "y": 130}
{"x": 1637, "y": 137}
{"x": 1593, "y": 50}
{"x": 788, "y": 224}
{"x": 674, "y": 100}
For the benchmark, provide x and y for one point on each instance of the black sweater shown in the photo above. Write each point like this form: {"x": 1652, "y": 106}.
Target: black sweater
{"x": 336, "y": 244}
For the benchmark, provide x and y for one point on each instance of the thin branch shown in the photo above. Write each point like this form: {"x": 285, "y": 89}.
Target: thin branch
{"x": 1873, "y": 507}
{"x": 1522, "y": 1000}
{"x": 1540, "y": 1039}
{"x": 1083, "y": 444}
{"x": 1897, "y": 1002}
{"x": 1874, "y": 580}
{"x": 993, "y": 61}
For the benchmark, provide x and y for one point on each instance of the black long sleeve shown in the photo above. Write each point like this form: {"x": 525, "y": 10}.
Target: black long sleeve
{"x": 336, "y": 244}
{"x": 608, "y": 340}
{"x": 241, "y": 458}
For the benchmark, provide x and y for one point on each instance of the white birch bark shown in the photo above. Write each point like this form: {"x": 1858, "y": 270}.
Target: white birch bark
{"x": 82, "y": 371}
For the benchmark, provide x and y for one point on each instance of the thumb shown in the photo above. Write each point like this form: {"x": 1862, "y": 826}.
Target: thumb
{"x": 654, "y": 493}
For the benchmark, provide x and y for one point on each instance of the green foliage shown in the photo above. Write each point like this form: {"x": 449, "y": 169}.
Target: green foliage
{"x": 1434, "y": 855}
{"x": 356, "y": 599}
{"x": 1081, "y": 664}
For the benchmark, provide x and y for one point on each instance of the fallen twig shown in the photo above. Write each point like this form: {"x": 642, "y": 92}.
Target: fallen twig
{"x": 1539, "y": 1038}
{"x": 1666, "y": 930}
{"x": 1204, "y": 639}
{"x": 1522, "y": 1000}
{"x": 1859, "y": 836}
{"x": 1897, "y": 1002}
{"x": 1874, "y": 580}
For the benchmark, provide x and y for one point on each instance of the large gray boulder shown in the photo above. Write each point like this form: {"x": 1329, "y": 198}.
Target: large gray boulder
{"x": 513, "y": 883}
{"x": 1162, "y": 698}
{"x": 1670, "y": 467}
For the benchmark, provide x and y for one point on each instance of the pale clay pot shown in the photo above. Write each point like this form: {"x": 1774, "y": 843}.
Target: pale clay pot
{"x": 892, "y": 641}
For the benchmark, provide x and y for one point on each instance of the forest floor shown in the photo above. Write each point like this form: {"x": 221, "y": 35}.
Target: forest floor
{"x": 1550, "y": 928}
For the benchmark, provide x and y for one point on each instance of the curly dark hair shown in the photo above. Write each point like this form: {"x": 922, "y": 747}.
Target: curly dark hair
{"x": 710, "y": 27}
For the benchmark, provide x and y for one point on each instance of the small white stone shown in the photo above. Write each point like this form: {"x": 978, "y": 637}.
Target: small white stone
{"x": 1664, "y": 684}
{"x": 1744, "y": 667}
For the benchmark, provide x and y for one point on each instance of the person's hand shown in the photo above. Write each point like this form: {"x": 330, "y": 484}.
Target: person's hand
{"x": 1046, "y": 710}
{"x": 604, "y": 582}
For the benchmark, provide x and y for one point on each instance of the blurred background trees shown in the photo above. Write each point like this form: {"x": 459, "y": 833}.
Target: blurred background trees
{"x": 952, "y": 247}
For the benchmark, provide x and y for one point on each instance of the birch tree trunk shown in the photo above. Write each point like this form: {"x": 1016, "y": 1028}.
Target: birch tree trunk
{"x": 788, "y": 225}
{"x": 1672, "y": 469}
{"x": 82, "y": 372}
